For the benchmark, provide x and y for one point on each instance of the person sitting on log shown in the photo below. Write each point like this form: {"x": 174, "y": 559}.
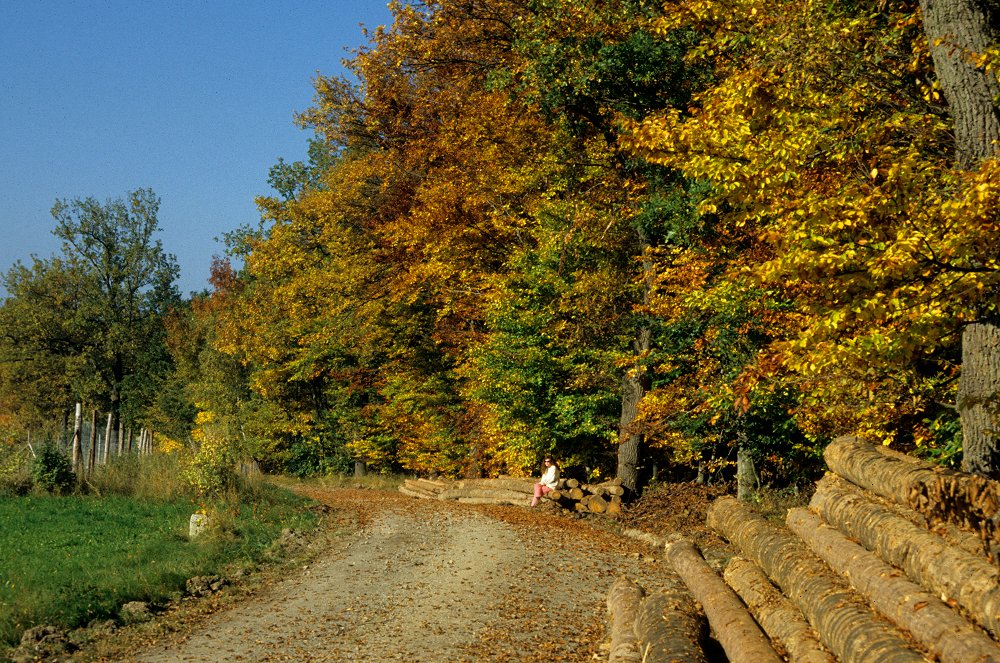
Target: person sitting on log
{"x": 549, "y": 481}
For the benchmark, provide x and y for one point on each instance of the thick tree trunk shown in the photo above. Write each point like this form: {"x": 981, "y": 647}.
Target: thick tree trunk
{"x": 978, "y": 399}
{"x": 927, "y": 559}
{"x": 932, "y": 623}
{"x": 634, "y": 387}
{"x": 842, "y": 619}
{"x": 734, "y": 628}
{"x": 958, "y": 31}
{"x": 670, "y": 628}
{"x": 747, "y": 482}
{"x": 777, "y": 615}
{"x": 624, "y": 599}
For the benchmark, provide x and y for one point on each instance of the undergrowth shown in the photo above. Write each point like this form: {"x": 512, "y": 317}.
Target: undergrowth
{"x": 71, "y": 559}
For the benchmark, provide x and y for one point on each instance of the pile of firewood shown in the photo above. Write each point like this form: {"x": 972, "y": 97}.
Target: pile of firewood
{"x": 859, "y": 575}
{"x": 603, "y": 498}
{"x": 571, "y": 495}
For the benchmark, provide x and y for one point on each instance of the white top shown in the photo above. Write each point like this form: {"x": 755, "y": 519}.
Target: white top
{"x": 551, "y": 477}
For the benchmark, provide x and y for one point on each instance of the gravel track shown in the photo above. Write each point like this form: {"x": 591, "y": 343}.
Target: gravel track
{"x": 427, "y": 581}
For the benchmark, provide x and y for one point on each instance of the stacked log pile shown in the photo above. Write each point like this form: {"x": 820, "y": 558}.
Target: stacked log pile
{"x": 891, "y": 561}
{"x": 571, "y": 495}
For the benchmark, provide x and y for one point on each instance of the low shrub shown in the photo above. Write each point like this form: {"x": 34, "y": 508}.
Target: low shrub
{"x": 51, "y": 471}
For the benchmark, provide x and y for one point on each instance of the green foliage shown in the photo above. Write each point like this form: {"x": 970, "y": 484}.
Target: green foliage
{"x": 51, "y": 469}
{"x": 69, "y": 560}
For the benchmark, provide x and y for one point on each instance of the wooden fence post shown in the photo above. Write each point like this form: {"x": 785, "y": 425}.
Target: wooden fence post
{"x": 77, "y": 458}
{"x": 92, "y": 451}
{"x": 107, "y": 440}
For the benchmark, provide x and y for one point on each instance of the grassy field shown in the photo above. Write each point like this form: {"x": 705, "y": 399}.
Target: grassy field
{"x": 69, "y": 560}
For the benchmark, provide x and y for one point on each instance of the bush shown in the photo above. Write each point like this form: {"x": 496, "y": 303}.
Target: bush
{"x": 15, "y": 470}
{"x": 51, "y": 470}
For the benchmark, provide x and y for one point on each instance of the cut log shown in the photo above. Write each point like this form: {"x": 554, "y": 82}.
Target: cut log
{"x": 934, "y": 625}
{"x": 526, "y": 486}
{"x": 885, "y": 474}
{"x": 624, "y": 599}
{"x": 420, "y": 494}
{"x": 614, "y": 509}
{"x": 572, "y": 483}
{"x": 670, "y": 628}
{"x": 595, "y": 503}
{"x": 734, "y": 628}
{"x": 927, "y": 559}
{"x": 775, "y": 613}
{"x": 604, "y": 489}
{"x": 521, "y": 500}
{"x": 431, "y": 484}
{"x": 939, "y": 494}
{"x": 843, "y": 620}
{"x": 486, "y": 493}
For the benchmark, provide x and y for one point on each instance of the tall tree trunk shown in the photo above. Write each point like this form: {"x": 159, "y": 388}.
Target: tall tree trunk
{"x": 958, "y": 31}
{"x": 977, "y": 399}
{"x": 634, "y": 386}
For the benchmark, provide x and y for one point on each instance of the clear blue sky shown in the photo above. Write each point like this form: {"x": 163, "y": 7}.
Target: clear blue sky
{"x": 192, "y": 98}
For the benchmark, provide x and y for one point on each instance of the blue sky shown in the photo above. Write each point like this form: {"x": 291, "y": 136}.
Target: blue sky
{"x": 194, "y": 99}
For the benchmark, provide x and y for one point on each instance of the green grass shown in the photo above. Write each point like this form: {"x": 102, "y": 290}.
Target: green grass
{"x": 68, "y": 560}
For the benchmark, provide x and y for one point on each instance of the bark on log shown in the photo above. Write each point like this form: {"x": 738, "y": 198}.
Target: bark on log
{"x": 624, "y": 599}
{"x": 526, "y": 486}
{"x": 734, "y": 628}
{"x": 487, "y": 493}
{"x": 775, "y": 613}
{"x": 435, "y": 485}
{"x": 670, "y": 627}
{"x": 936, "y": 626}
{"x": 420, "y": 494}
{"x": 521, "y": 500}
{"x": 929, "y": 560}
{"x": 943, "y": 497}
{"x": 844, "y": 621}
{"x": 884, "y": 474}
{"x": 604, "y": 489}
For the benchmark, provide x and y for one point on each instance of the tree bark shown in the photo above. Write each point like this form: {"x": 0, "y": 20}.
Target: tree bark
{"x": 747, "y": 482}
{"x": 775, "y": 613}
{"x": 958, "y": 31}
{"x": 977, "y": 399}
{"x": 634, "y": 387}
{"x": 932, "y": 623}
{"x": 624, "y": 598}
{"x": 670, "y": 628}
{"x": 927, "y": 559}
{"x": 734, "y": 628}
{"x": 843, "y": 620}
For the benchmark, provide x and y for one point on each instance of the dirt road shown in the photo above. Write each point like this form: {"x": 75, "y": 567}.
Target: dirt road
{"x": 423, "y": 580}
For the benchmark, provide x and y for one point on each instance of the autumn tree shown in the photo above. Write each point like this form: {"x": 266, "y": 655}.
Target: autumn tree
{"x": 90, "y": 319}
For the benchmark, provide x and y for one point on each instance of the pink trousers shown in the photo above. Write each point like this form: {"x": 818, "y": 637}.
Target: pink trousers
{"x": 540, "y": 489}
